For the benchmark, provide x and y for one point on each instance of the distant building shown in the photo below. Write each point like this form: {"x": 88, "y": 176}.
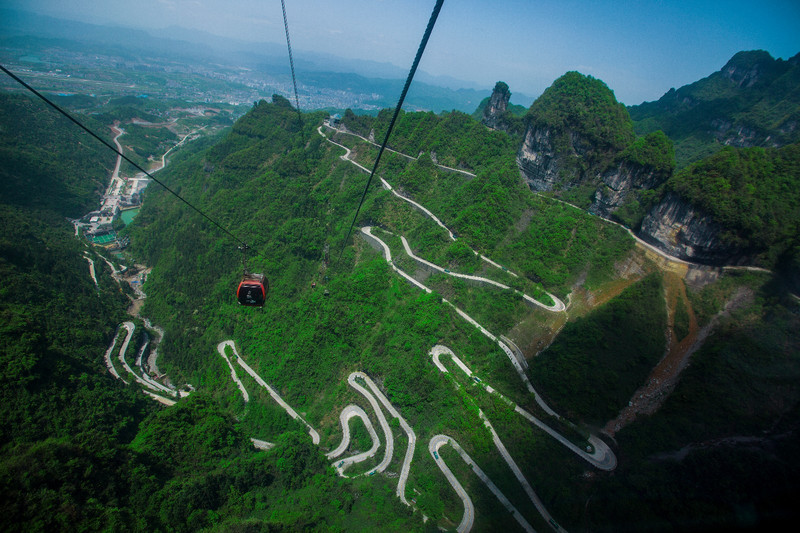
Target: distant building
{"x": 334, "y": 120}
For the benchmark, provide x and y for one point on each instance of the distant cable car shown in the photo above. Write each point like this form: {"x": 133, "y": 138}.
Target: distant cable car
{"x": 252, "y": 290}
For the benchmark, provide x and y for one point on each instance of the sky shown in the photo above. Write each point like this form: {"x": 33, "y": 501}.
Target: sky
{"x": 640, "y": 49}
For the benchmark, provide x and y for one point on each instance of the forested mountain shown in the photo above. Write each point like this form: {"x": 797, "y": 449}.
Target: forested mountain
{"x": 298, "y": 205}
{"x": 579, "y": 145}
{"x": 715, "y": 447}
{"x": 81, "y": 451}
{"x": 754, "y": 100}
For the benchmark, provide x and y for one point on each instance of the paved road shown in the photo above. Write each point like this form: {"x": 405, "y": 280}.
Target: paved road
{"x": 412, "y": 438}
{"x": 406, "y": 156}
{"x": 160, "y": 399}
{"x": 387, "y": 431}
{"x": 221, "y": 349}
{"x": 144, "y": 379}
{"x": 436, "y": 352}
{"x": 346, "y": 156}
{"x": 344, "y": 418}
{"x": 115, "y": 175}
{"x": 558, "y": 306}
{"x": 374, "y": 396}
{"x": 275, "y": 395}
{"x": 601, "y": 456}
{"x": 518, "y": 366}
{"x": 469, "y": 510}
{"x": 107, "y": 357}
{"x": 91, "y": 269}
{"x": 644, "y": 244}
{"x": 468, "y": 518}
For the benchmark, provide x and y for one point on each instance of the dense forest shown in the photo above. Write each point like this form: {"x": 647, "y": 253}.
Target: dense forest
{"x": 752, "y": 101}
{"x": 752, "y": 193}
{"x": 746, "y": 187}
{"x": 83, "y": 451}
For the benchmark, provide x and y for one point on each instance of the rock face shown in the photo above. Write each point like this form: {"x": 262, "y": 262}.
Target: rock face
{"x": 618, "y": 182}
{"x": 572, "y": 132}
{"x": 686, "y": 232}
{"x": 751, "y": 101}
{"x": 745, "y": 69}
{"x": 495, "y": 111}
{"x": 537, "y": 159}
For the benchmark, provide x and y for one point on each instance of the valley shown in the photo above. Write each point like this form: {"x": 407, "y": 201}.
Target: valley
{"x": 475, "y": 343}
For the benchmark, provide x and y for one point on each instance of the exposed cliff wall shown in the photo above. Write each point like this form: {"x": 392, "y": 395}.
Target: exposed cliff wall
{"x": 498, "y": 113}
{"x": 684, "y": 231}
{"x": 537, "y": 160}
{"x": 573, "y": 132}
{"x": 619, "y": 182}
{"x": 495, "y": 111}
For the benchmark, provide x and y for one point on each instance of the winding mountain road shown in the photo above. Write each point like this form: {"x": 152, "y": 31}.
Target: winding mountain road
{"x": 221, "y": 349}
{"x": 91, "y": 269}
{"x": 468, "y": 518}
{"x": 373, "y": 395}
{"x": 557, "y": 307}
{"x": 518, "y": 365}
{"x": 387, "y": 431}
{"x": 144, "y": 379}
{"x": 107, "y": 358}
{"x": 271, "y": 391}
{"x": 412, "y": 438}
{"x": 602, "y": 457}
{"x": 401, "y": 154}
{"x": 347, "y": 413}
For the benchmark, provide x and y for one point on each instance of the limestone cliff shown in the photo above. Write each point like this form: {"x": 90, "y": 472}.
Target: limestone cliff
{"x": 573, "y": 132}
{"x": 495, "y": 111}
{"x": 537, "y": 160}
{"x": 618, "y": 185}
{"x": 685, "y": 231}
{"x": 641, "y": 167}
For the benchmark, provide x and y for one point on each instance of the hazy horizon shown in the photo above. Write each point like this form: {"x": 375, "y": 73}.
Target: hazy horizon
{"x": 639, "y": 49}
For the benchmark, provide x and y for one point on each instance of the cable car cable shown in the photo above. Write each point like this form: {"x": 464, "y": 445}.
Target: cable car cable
{"x": 123, "y": 156}
{"x": 291, "y": 65}
{"x": 414, "y": 66}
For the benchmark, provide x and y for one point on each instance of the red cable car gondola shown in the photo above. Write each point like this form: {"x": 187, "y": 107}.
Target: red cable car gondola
{"x": 252, "y": 290}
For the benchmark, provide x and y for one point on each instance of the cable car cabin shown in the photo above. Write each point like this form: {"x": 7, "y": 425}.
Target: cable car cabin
{"x": 252, "y": 290}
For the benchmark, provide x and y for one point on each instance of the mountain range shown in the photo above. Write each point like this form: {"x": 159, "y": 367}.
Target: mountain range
{"x": 681, "y": 376}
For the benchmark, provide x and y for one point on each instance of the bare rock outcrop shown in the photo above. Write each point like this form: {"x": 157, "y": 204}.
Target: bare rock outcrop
{"x": 494, "y": 114}
{"x": 618, "y": 182}
{"x": 685, "y": 231}
{"x": 537, "y": 159}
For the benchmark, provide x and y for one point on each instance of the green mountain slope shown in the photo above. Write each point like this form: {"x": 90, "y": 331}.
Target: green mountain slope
{"x": 753, "y": 194}
{"x": 284, "y": 188}
{"x": 585, "y": 106}
{"x": 752, "y": 101}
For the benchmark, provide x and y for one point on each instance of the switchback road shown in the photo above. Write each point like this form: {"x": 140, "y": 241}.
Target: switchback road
{"x": 601, "y": 455}
{"x": 468, "y": 518}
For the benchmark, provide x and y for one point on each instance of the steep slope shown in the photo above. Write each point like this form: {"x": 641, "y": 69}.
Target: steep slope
{"x": 579, "y": 144}
{"x": 31, "y": 177}
{"x": 283, "y": 185}
{"x": 574, "y": 130}
{"x": 498, "y": 113}
{"x": 752, "y": 101}
{"x": 737, "y": 205}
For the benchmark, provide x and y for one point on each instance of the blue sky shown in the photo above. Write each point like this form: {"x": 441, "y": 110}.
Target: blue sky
{"x": 640, "y": 49}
